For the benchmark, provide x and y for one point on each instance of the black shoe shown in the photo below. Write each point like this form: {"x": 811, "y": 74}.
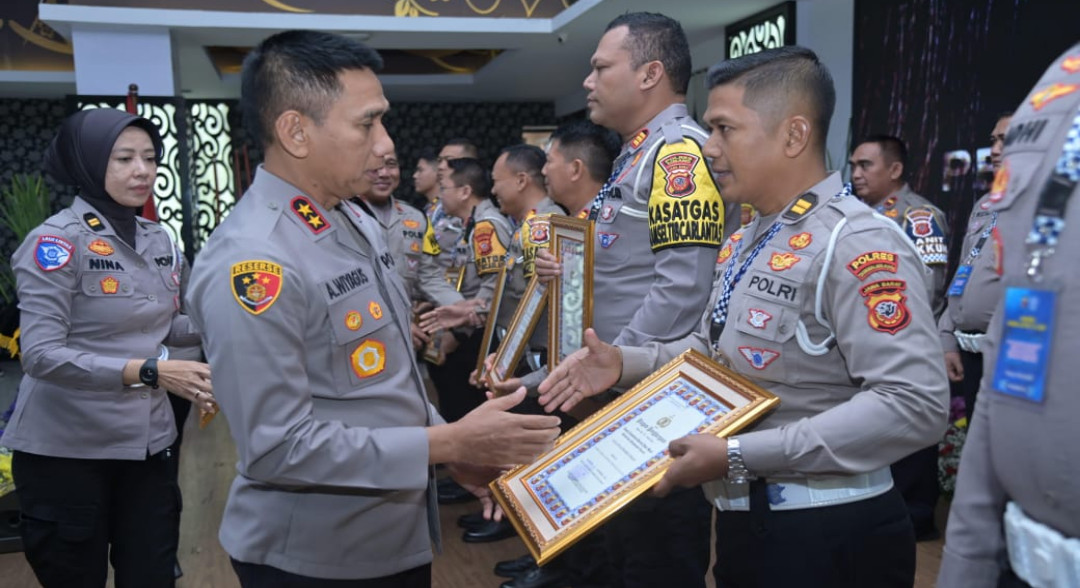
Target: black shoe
{"x": 538, "y": 578}
{"x": 489, "y": 531}
{"x": 472, "y": 520}
{"x": 513, "y": 568}
{"x": 452, "y": 493}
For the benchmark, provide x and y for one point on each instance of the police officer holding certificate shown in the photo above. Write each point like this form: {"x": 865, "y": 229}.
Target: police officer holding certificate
{"x": 306, "y": 326}
{"x": 820, "y": 302}
{"x": 1015, "y": 519}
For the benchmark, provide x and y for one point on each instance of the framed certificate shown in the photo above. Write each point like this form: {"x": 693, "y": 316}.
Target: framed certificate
{"x": 493, "y": 316}
{"x": 517, "y": 336}
{"x": 621, "y": 451}
{"x": 570, "y": 301}
{"x": 455, "y": 276}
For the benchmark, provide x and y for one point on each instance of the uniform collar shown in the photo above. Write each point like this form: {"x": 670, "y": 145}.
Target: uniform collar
{"x": 90, "y": 218}
{"x": 640, "y": 138}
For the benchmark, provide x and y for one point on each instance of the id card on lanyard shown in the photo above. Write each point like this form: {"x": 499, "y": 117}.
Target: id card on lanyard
{"x": 1026, "y": 340}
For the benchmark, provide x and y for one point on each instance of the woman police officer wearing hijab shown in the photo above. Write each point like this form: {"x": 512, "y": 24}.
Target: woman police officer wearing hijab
{"x": 99, "y": 299}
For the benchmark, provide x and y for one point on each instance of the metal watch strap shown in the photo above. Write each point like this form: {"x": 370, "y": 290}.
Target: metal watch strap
{"x": 737, "y": 472}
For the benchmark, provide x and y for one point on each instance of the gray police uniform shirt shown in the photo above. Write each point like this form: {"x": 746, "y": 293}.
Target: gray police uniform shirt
{"x": 412, "y": 243}
{"x": 487, "y": 238}
{"x": 657, "y": 235}
{"x": 89, "y": 303}
{"x": 924, "y": 224}
{"x": 1017, "y": 450}
{"x": 306, "y": 329}
{"x": 970, "y": 312}
{"x": 859, "y": 402}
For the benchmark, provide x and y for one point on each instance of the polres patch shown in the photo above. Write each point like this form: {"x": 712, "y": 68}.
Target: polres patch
{"x": 886, "y": 302}
{"x": 52, "y": 252}
{"x": 679, "y": 173}
{"x": 256, "y": 284}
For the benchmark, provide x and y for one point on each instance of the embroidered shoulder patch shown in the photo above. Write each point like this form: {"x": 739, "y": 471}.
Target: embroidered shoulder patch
{"x": 256, "y": 284}
{"x": 488, "y": 250}
{"x": 431, "y": 242}
{"x": 922, "y": 227}
{"x": 887, "y": 305}
{"x": 52, "y": 252}
{"x": 93, "y": 222}
{"x": 101, "y": 247}
{"x": 309, "y": 214}
{"x": 684, "y": 202}
{"x": 801, "y": 206}
{"x": 871, "y": 262}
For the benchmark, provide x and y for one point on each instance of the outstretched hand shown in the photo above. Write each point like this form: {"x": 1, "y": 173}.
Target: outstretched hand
{"x": 584, "y": 373}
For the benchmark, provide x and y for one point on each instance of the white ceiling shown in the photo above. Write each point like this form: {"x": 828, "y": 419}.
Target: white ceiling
{"x": 542, "y": 61}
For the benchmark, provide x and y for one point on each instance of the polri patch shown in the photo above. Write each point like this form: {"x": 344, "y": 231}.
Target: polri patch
{"x": 758, "y": 318}
{"x": 256, "y": 284}
{"x": 887, "y": 304}
{"x": 52, "y": 252}
{"x": 607, "y": 239}
{"x": 306, "y": 211}
{"x": 101, "y": 247}
{"x": 109, "y": 285}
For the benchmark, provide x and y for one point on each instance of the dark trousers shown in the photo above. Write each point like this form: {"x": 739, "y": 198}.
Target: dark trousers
{"x": 456, "y": 395}
{"x": 80, "y": 514}
{"x": 263, "y": 576}
{"x": 973, "y": 372}
{"x": 916, "y": 478}
{"x": 868, "y": 543}
{"x": 660, "y": 542}
{"x": 1008, "y": 579}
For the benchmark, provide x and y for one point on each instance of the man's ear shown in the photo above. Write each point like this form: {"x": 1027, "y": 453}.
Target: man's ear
{"x": 653, "y": 74}
{"x": 797, "y": 130}
{"x": 896, "y": 171}
{"x": 577, "y": 170}
{"x": 291, "y": 133}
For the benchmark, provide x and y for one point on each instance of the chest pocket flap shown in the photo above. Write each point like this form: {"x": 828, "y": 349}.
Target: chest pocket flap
{"x": 107, "y": 284}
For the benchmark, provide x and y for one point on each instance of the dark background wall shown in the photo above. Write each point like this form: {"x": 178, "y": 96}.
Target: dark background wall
{"x": 938, "y": 72}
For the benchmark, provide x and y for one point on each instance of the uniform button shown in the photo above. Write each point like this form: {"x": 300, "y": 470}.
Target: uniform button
{"x": 273, "y": 206}
{"x": 125, "y": 288}
{"x": 93, "y": 288}
{"x": 142, "y": 265}
{"x": 783, "y": 329}
{"x": 144, "y": 395}
{"x": 151, "y": 298}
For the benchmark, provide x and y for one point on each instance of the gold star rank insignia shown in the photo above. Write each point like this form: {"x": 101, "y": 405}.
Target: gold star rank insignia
{"x": 309, "y": 214}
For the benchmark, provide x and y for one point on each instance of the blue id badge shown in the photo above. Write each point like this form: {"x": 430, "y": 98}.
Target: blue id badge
{"x": 1024, "y": 353}
{"x": 959, "y": 281}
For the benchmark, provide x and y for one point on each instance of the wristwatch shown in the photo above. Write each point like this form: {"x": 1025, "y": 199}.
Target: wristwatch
{"x": 148, "y": 373}
{"x": 737, "y": 472}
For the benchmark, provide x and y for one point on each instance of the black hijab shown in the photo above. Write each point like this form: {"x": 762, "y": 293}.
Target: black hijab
{"x": 79, "y": 156}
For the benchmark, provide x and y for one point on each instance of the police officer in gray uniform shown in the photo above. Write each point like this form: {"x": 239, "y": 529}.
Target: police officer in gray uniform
{"x": 659, "y": 221}
{"x": 1015, "y": 520}
{"x": 305, "y": 322}
{"x": 825, "y": 305}
{"x": 975, "y": 288}
{"x": 99, "y": 300}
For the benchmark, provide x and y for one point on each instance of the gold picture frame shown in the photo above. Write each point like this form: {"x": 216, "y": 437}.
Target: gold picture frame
{"x": 615, "y": 455}
{"x": 570, "y": 301}
{"x": 513, "y": 345}
{"x": 455, "y": 276}
{"x": 492, "y": 318}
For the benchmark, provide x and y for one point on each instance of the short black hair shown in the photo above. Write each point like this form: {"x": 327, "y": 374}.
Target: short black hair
{"x": 526, "y": 158}
{"x": 654, "y": 37}
{"x": 892, "y": 148}
{"x": 467, "y": 145}
{"x": 428, "y": 154}
{"x": 774, "y": 78}
{"x": 1004, "y": 114}
{"x": 467, "y": 171}
{"x": 593, "y": 144}
{"x": 297, "y": 70}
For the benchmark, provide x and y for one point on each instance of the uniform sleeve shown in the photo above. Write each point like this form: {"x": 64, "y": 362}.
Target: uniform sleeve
{"x": 433, "y": 282}
{"x": 888, "y": 341}
{"x": 675, "y": 299}
{"x": 925, "y": 226}
{"x": 46, "y": 281}
{"x": 490, "y": 240}
{"x": 946, "y": 326}
{"x": 975, "y": 535}
{"x": 262, "y": 385}
{"x": 639, "y": 362}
